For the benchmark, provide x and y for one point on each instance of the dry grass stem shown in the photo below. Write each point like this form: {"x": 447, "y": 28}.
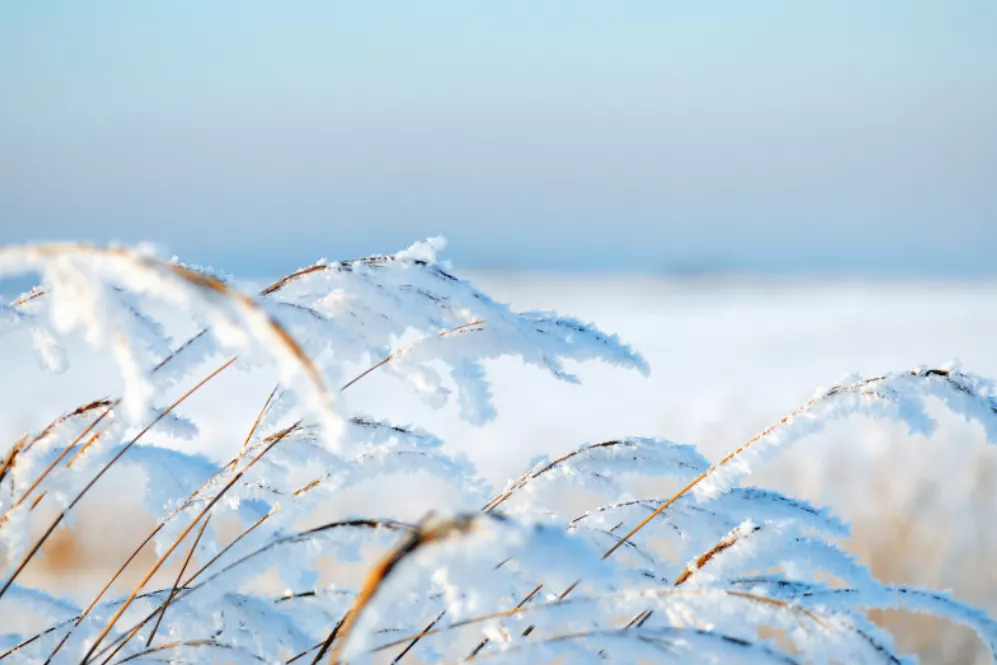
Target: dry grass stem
{"x": 533, "y": 475}
{"x": 527, "y": 598}
{"x": 183, "y": 534}
{"x": 466, "y": 327}
{"x": 8, "y": 461}
{"x": 854, "y": 387}
{"x": 93, "y": 481}
{"x": 381, "y": 570}
{"x": 173, "y": 591}
{"x": 727, "y": 541}
{"x": 522, "y": 608}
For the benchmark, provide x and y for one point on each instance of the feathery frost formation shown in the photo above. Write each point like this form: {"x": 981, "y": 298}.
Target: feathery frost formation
{"x": 700, "y": 569}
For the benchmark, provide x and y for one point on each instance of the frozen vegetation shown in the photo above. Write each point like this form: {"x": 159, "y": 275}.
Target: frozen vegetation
{"x": 631, "y": 549}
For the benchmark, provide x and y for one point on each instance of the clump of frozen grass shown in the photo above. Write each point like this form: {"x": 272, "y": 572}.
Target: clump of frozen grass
{"x": 717, "y": 571}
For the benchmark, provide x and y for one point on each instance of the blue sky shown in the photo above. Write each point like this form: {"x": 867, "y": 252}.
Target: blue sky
{"x": 773, "y": 137}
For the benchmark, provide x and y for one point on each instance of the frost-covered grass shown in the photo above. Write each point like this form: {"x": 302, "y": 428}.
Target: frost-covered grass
{"x": 672, "y": 559}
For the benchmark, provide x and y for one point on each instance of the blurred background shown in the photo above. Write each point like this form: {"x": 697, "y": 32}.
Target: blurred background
{"x": 761, "y": 197}
{"x": 773, "y": 137}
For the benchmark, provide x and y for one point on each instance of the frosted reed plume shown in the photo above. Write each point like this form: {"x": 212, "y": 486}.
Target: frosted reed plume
{"x": 717, "y": 571}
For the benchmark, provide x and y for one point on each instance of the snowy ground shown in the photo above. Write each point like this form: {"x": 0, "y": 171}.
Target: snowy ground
{"x": 728, "y": 356}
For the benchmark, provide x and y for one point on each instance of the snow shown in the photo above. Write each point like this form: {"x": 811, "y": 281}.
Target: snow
{"x": 497, "y": 385}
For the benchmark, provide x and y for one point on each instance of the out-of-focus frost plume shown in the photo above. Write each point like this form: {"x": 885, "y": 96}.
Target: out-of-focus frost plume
{"x": 674, "y": 559}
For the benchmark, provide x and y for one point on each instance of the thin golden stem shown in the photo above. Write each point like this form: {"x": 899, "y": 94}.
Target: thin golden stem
{"x": 526, "y": 599}
{"x": 461, "y": 328}
{"x": 58, "y": 458}
{"x": 162, "y": 524}
{"x": 173, "y": 591}
{"x": 183, "y": 534}
{"x": 93, "y": 481}
{"x": 8, "y": 461}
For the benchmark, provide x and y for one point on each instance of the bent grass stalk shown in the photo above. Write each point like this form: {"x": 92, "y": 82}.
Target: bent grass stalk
{"x": 173, "y": 591}
{"x": 8, "y": 460}
{"x": 727, "y": 541}
{"x": 72, "y": 504}
{"x": 176, "y": 543}
{"x": 810, "y": 404}
{"x": 159, "y": 527}
{"x": 651, "y": 594}
{"x": 232, "y": 464}
{"x": 121, "y": 569}
{"x": 204, "y": 283}
{"x": 203, "y": 501}
{"x": 41, "y": 477}
{"x": 461, "y": 527}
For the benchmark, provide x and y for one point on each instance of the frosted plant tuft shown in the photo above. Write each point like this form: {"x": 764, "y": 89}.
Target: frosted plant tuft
{"x": 696, "y": 566}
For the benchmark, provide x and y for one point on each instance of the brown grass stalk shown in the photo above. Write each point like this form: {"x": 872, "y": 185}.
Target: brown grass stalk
{"x": 93, "y": 481}
{"x": 36, "y": 292}
{"x": 119, "y": 571}
{"x": 466, "y": 327}
{"x": 186, "y": 584}
{"x": 77, "y": 412}
{"x": 380, "y": 571}
{"x": 187, "y": 587}
{"x": 351, "y": 523}
{"x": 201, "y": 281}
{"x": 8, "y": 461}
{"x": 245, "y": 532}
{"x": 461, "y": 526}
{"x": 83, "y": 449}
{"x": 173, "y": 591}
{"x": 527, "y": 598}
{"x": 859, "y": 385}
{"x": 530, "y": 476}
{"x": 44, "y": 474}
{"x": 37, "y": 500}
{"x": 256, "y": 423}
{"x": 649, "y": 593}
{"x": 755, "y": 439}
{"x": 37, "y": 636}
{"x": 207, "y": 642}
{"x": 159, "y": 527}
{"x": 183, "y": 534}
{"x": 564, "y": 594}
{"x": 65, "y": 451}
{"x": 726, "y": 542}
{"x": 137, "y": 550}
{"x": 58, "y": 646}
{"x": 154, "y": 569}
{"x": 415, "y": 640}
{"x": 325, "y": 644}
{"x": 341, "y": 265}
{"x": 638, "y": 620}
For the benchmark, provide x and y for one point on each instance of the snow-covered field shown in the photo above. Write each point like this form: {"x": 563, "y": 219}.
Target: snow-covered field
{"x": 728, "y": 356}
